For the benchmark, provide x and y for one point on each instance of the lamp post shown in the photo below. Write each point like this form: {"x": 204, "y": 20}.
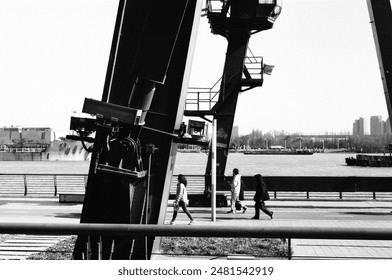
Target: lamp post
{"x": 213, "y": 171}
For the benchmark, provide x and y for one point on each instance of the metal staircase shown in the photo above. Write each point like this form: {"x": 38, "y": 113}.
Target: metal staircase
{"x": 201, "y": 100}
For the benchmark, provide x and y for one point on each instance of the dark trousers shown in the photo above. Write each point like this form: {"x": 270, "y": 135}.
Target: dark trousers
{"x": 183, "y": 206}
{"x": 260, "y": 205}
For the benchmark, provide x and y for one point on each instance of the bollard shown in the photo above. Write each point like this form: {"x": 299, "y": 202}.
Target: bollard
{"x": 25, "y": 184}
{"x": 55, "y": 184}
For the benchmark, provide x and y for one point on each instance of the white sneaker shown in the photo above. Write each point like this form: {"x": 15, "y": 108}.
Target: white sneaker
{"x": 192, "y": 222}
{"x": 172, "y": 223}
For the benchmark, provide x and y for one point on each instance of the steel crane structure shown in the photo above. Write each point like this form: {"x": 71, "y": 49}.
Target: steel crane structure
{"x": 381, "y": 20}
{"x": 138, "y": 121}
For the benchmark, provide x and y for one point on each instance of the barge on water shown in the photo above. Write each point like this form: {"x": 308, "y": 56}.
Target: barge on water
{"x": 370, "y": 160}
{"x": 279, "y": 152}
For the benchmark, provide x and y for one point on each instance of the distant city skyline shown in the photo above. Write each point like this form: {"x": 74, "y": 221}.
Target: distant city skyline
{"x": 374, "y": 125}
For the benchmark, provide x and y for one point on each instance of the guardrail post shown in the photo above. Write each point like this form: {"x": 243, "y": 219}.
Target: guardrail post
{"x": 198, "y": 100}
{"x": 111, "y": 250}
{"x": 55, "y": 184}
{"x": 88, "y": 248}
{"x": 100, "y": 248}
{"x": 25, "y": 184}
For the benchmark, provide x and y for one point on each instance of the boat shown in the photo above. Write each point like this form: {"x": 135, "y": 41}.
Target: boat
{"x": 38, "y": 144}
{"x": 279, "y": 152}
{"x": 370, "y": 160}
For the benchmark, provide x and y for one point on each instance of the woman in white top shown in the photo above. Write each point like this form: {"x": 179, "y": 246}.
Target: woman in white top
{"x": 181, "y": 200}
{"x": 235, "y": 192}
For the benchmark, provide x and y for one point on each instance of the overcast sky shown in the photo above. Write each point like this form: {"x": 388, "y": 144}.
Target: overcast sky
{"x": 53, "y": 54}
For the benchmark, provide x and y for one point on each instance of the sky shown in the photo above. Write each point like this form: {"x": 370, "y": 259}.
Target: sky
{"x": 53, "y": 54}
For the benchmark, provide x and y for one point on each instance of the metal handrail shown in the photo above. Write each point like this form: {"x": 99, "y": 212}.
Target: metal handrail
{"x": 44, "y": 174}
{"x": 137, "y": 230}
{"x": 202, "y": 95}
{"x": 45, "y": 182}
{"x": 26, "y": 185}
{"x": 199, "y": 95}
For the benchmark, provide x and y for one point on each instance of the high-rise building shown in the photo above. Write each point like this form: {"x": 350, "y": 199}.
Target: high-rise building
{"x": 235, "y": 132}
{"x": 376, "y": 125}
{"x": 359, "y": 127}
{"x": 388, "y": 129}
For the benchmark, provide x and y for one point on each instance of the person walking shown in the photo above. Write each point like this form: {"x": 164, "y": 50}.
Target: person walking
{"x": 181, "y": 200}
{"x": 260, "y": 196}
{"x": 235, "y": 188}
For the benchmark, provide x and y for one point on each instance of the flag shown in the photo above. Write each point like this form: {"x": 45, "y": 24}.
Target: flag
{"x": 267, "y": 69}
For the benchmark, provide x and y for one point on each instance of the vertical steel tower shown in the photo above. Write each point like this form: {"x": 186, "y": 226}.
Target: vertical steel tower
{"x": 237, "y": 21}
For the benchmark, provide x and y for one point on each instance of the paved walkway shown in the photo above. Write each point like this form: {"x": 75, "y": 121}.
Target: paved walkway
{"x": 33, "y": 210}
{"x": 310, "y": 248}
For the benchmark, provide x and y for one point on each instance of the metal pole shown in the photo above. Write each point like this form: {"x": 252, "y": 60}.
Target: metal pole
{"x": 100, "y": 248}
{"x": 55, "y": 184}
{"x": 25, "y": 184}
{"x": 255, "y": 231}
{"x": 213, "y": 171}
{"x": 147, "y": 202}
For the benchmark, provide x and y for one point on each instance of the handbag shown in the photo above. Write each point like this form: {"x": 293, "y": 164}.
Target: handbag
{"x": 238, "y": 205}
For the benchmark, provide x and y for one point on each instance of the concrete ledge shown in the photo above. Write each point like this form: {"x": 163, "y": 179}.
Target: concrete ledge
{"x": 240, "y": 257}
{"x": 71, "y": 198}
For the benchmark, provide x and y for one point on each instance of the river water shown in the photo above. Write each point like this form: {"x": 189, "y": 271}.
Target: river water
{"x": 318, "y": 164}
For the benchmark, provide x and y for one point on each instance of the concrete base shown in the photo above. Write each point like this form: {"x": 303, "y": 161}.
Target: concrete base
{"x": 71, "y": 198}
{"x": 204, "y": 200}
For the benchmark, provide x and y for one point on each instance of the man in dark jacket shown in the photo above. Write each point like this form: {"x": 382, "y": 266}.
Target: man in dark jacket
{"x": 261, "y": 195}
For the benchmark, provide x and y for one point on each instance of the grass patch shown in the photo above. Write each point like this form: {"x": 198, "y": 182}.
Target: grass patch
{"x": 212, "y": 246}
{"x": 189, "y": 246}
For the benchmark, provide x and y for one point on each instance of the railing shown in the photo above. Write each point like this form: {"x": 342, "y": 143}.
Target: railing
{"x": 254, "y": 65}
{"x": 41, "y": 184}
{"x": 289, "y": 233}
{"x": 54, "y": 184}
{"x": 215, "y": 6}
{"x": 25, "y": 149}
{"x": 199, "y": 98}
{"x": 282, "y": 187}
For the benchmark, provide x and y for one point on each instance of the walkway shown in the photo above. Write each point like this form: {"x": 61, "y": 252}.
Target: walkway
{"x": 335, "y": 213}
{"x": 33, "y": 210}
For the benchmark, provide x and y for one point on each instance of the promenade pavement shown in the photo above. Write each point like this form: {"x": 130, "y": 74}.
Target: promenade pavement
{"x": 307, "y": 249}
